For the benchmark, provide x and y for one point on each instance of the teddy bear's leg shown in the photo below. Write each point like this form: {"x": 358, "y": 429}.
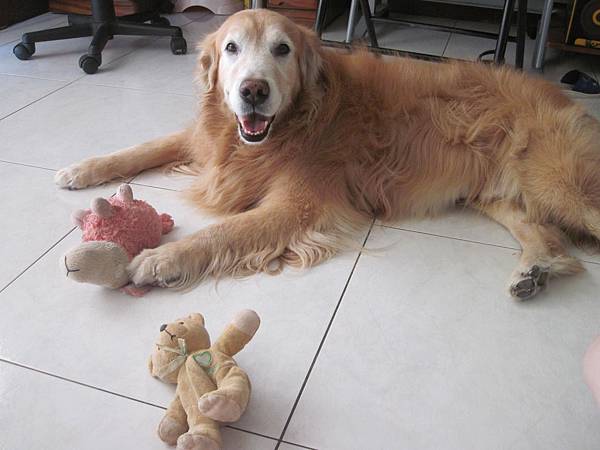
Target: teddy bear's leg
{"x": 204, "y": 433}
{"x": 229, "y": 401}
{"x": 174, "y": 423}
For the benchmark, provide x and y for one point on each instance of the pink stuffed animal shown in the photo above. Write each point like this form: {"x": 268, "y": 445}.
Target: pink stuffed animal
{"x": 114, "y": 231}
{"x": 591, "y": 368}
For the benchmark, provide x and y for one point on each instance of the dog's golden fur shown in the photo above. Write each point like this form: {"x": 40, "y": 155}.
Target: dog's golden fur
{"x": 370, "y": 138}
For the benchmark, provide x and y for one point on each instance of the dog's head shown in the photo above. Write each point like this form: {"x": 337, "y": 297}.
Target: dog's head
{"x": 259, "y": 61}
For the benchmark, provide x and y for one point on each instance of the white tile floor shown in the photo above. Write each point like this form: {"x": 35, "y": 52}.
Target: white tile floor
{"x": 413, "y": 344}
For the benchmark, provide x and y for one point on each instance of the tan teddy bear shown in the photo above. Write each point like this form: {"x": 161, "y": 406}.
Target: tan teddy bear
{"x": 211, "y": 388}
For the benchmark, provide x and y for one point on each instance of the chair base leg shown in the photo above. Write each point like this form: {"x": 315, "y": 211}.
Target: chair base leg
{"x": 102, "y": 32}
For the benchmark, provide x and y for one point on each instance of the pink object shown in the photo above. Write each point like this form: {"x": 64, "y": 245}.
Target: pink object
{"x": 133, "y": 224}
{"x": 114, "y": 232}
{"x": 591, "y": 368}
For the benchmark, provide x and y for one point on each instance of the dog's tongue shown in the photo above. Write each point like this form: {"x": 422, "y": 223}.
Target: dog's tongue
{"x": 254, "y": 124}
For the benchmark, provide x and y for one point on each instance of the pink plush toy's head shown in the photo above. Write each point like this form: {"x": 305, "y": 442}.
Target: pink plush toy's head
{"x": 133, "y": 224}
{"x": 114, "y": 231}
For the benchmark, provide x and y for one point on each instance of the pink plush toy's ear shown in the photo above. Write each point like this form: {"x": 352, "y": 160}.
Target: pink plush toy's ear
{"x": 102, "y": 208}
{"x": 77, "y": 217}
{"x": 124, "y": 193}
{"x": 167, "y": 223}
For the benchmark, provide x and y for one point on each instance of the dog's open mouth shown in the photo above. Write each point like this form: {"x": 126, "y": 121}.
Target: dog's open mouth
{"x": 254, "y": 127}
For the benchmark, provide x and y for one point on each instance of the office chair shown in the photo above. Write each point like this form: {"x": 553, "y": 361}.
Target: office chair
{"x": 103, "y": 24}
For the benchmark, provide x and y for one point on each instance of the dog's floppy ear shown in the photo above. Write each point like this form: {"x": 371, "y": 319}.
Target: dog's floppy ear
{"x": 310, "y": 57}
{"x": 208, "y": 62}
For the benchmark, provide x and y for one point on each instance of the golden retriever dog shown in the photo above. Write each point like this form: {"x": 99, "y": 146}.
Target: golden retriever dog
{"x": 298, "y": 147}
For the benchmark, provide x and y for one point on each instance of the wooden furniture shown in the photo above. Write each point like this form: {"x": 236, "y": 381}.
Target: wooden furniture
{"x": 304, "y": 12}
{"x": 14, "y": 11}
{"x": 84, "y": 7}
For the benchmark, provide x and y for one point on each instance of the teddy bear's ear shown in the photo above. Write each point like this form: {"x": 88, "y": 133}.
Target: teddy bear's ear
{"x": 102, "y": 208}
{"x": 197, "y": 317}
{"x": 124, "y": 193}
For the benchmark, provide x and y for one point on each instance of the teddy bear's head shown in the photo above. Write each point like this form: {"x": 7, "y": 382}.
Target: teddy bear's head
{"x": 175, "y": 342}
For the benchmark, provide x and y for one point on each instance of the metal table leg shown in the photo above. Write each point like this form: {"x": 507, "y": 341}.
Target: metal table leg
{"x": 320, "y": 21}
{"x": 351, "y": 21}
{"x": 542, "y": 36}
{"x": 521, "y": 32}
{"x": 366, "y": 11}
{"x": 509, "y": 7}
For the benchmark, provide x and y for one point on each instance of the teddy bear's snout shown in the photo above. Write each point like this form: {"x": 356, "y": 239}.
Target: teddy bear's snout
{"x": 70, "y": 269}
{"x": 163, "y": 327}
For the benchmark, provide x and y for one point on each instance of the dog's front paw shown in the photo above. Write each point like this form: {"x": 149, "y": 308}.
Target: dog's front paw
{"x": 76, "y": 176}
{"x": 163, "y": 266}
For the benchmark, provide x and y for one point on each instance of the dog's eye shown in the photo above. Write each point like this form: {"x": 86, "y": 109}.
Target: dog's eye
{"x": 282, "y": 49}
{"x": 231, "y": 48}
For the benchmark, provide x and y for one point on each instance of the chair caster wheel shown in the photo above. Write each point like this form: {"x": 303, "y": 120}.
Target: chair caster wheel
{"x": 178, "y": 46}
{"x": 160, "y": 21}
{"x": 24, "y": 51}
{"x": 90, "y": 63}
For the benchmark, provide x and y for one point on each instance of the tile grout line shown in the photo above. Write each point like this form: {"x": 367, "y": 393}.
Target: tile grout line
{"x": 77, "y": 79}
{"x": 298, "y": 445}
{"x": 152, "y": 186}
{"x": 321, "y": 344}
{"x": 59, "y": 377}
{"x": 116, "y": 394}
{"x": 448, "y": 237}
{"x": 31, "y": 77}
{"x": 36, "y": 260}
{"x": 138, "y": 89}
{"x": 467, "y": 240}
{"x": 26, "y": 165}
{"x": 447, "y": 42}
{"x": 41, "y": 98}
{"x": 266, "y": 436}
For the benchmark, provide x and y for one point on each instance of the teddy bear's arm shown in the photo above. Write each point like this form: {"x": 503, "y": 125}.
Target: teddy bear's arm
{"x": 238, "y": 333}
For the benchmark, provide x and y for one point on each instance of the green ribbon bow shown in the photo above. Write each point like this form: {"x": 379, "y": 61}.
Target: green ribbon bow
{"x": 174, "y": 365}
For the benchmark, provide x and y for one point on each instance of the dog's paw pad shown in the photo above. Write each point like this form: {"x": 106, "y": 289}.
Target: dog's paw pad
{"x": 531, "y": 283}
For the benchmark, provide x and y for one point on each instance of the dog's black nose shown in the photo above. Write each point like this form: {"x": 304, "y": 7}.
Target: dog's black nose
{"x": 163, "y": 327}
{"x": 254, "y": 92}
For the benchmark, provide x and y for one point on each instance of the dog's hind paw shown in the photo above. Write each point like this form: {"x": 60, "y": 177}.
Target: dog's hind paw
{"x": 529, "y": 283}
